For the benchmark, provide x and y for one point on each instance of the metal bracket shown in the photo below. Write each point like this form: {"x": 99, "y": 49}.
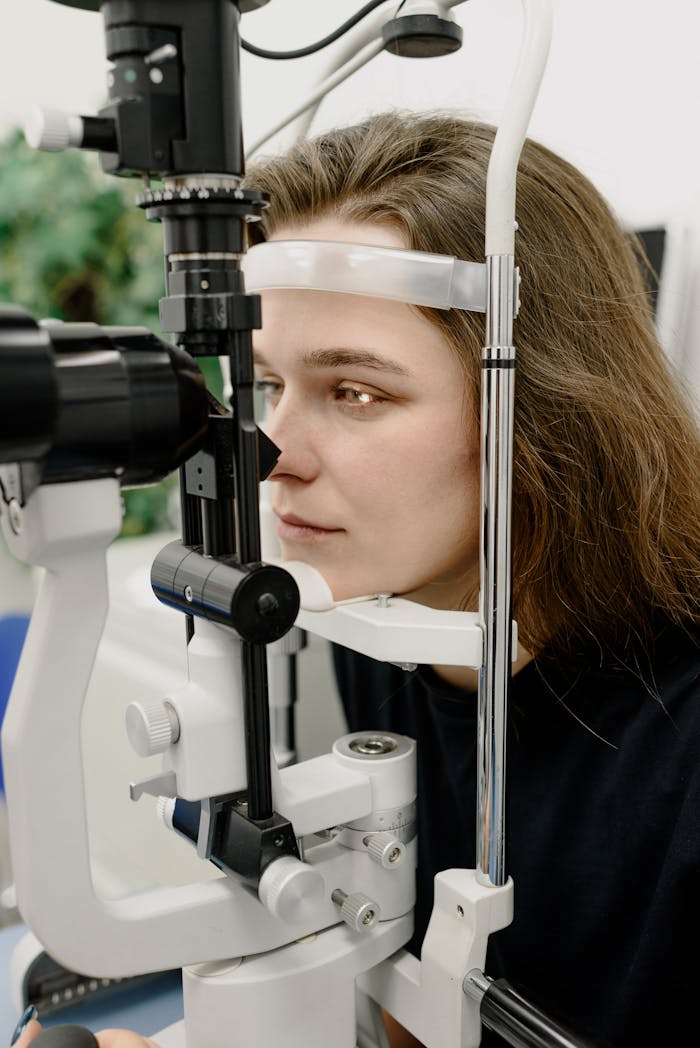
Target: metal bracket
{"x": 159, "y": 786}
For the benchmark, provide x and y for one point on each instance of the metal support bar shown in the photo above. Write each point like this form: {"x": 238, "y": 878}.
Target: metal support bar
{"x": 495, "y": 593}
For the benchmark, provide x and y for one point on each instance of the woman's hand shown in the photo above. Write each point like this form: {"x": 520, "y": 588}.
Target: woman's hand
{"x": 105, "y": 1038}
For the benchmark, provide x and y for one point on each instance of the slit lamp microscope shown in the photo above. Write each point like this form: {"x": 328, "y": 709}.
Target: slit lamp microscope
{"x": 314, "y": 904}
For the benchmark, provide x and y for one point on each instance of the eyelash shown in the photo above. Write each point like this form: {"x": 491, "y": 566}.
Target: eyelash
{"x": 273, "y": 390}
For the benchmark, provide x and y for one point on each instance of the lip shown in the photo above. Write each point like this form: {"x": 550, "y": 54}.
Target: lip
{"x": 291, "y": 528}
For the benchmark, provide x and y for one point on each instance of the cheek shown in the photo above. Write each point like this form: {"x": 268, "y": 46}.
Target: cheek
{"x": 413, "y": 486}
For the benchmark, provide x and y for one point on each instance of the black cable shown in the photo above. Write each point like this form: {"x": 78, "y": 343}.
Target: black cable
{"x": 301, "y": 52}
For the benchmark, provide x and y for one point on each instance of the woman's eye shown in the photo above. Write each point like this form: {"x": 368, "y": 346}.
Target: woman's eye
{"x": 270, "y": 388}
{"x": 356, "y": 397}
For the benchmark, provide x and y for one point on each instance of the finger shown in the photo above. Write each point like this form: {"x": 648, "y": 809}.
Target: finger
{"x": 123, "y": 1039}
{"x": 31, "y": 1030}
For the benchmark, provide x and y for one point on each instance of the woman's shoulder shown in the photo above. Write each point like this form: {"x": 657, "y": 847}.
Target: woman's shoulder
{"x": 668, "y": 659}
{"x": 667, "y": 667}
{"x": 641, "y": 690}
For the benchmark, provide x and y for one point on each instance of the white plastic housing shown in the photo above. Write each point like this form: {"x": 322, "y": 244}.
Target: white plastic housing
{"x": 209, "y": 757}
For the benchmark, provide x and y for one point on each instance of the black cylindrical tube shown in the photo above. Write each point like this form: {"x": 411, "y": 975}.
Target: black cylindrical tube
{"x": 191, "y": 533}
{"x": 127, "y": 403}
{"x": 201, "y": 228}
{"x": 217, "y": 527}
{"x": 523, "y": 1024}
{"x": 28, "y": 389}
{"x": 291, "y": 708}
{"x": 86, "y": 401}
{"x": 245, "y": 447}
{"x": 99, "y": 133}
{"x": 245, "y": 436}
{"x": 259, "y": 601}
{"x": 257, "y": 731}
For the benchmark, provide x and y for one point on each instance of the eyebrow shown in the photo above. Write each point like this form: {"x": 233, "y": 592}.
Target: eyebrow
{"x": 342, "y": 357}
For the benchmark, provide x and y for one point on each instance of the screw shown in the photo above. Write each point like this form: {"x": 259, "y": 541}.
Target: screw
{"x": 189, "y": 596}
{"x": 394, "y": 855}
{"x": 383, "y": 600}
{"x": 278, "y": 841}
{"x": 373, "y": 745}
{"x": 267, "y": 604}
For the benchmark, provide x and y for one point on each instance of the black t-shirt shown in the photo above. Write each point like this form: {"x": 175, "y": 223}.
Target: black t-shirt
{"x": 603, "y": 830}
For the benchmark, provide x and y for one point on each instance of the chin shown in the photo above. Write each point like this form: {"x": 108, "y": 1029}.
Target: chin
{"x": 342, "y": 586}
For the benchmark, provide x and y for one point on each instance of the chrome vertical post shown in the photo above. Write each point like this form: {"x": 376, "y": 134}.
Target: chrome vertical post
{"x": 495, "y": 594}
{"x": 497, "y": 440}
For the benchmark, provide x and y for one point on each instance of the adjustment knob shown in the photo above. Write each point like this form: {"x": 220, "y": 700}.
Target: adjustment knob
{"x": 357, "y": 910}
{"x": 165, "y": 810}
{"x": 151, "y": 727}
{"x": 385, "y": 849}
{"x": 290, "y": 889}
{"x": 52, "y": 130}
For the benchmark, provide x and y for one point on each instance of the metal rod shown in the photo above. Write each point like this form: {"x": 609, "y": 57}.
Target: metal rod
{"x": 520, "y": 1022}
{"x": 191, "y": 533}
{"x": 248, "y": 551}
{"x": 257, "y": 731}
{"x": 217, "y": 527}
{"x": 245, "y": 438}
{"x": 495, "y": 592}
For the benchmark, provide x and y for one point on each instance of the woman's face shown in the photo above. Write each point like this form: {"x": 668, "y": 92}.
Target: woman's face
{"x": 377, "y": 486}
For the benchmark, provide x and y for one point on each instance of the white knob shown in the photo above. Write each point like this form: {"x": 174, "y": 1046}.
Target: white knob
{"x": 165, "y": 809}
{"x": 52, "y": 130}
{"x": 290, "y": 889}
{"x": 151, "y": 727}
{"x": 385, "y": 849}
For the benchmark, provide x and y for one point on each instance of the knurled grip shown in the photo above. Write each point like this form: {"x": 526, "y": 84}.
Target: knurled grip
{"x": 385, "y": 849}
{"x": 357, "y": 910}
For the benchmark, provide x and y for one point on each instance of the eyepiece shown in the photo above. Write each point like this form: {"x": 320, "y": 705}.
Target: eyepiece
{"x": 84, "y": 401}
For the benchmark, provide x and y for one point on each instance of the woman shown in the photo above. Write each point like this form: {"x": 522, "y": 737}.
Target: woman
{"x": 375, "y": 407}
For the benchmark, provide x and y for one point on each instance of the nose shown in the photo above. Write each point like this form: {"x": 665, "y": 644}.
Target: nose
{"x": 290, "y": 427}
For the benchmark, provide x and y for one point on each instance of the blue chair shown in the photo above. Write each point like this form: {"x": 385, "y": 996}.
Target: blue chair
{"x": 13, "y": 630}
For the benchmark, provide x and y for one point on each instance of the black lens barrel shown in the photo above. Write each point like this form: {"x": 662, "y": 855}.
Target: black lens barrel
{"x": 86, "y": 401}
{"x": 28, "y": 387}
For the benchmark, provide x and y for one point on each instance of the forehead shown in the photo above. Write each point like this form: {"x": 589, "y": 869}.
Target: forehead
{"x": 299, "y": 320}
{"x": 330, "y": 227}
{"x": 303, "y": 332}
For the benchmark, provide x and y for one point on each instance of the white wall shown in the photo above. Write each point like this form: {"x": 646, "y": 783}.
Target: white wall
{"x": 619, "y": 98}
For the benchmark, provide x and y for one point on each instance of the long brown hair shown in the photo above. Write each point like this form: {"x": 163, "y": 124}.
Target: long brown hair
{"x": 606, "y": 498}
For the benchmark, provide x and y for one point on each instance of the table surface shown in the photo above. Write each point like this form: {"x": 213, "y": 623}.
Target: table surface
{"x": 146, "y": 1008}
